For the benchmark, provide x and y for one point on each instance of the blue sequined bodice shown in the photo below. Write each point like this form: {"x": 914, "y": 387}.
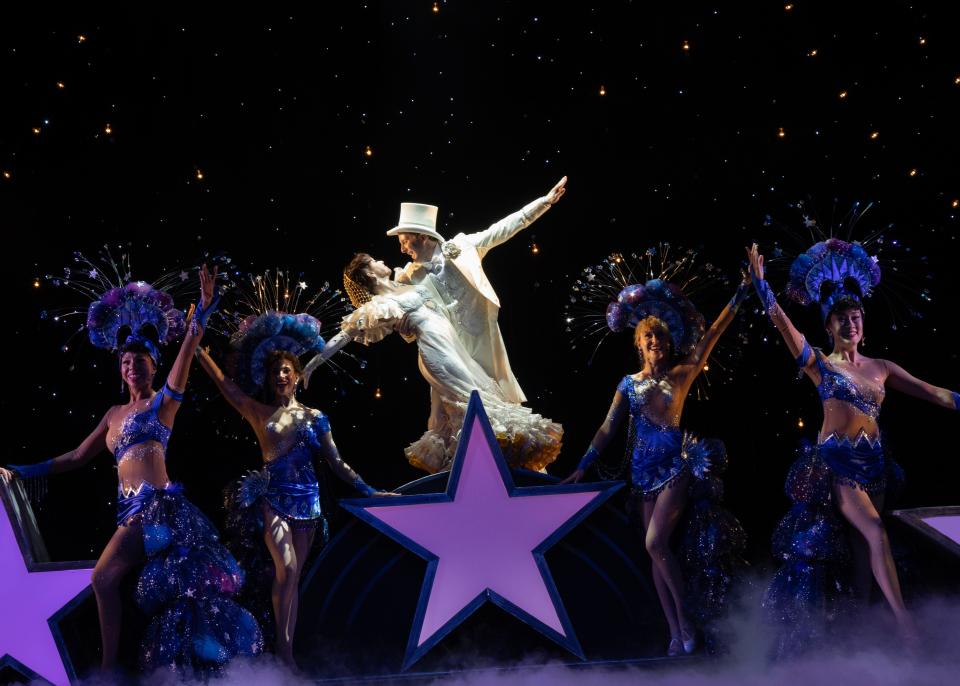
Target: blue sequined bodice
{"x": 835, "y": 384}
{"x": 638, "y": 394}
{"x": 292, "y": 488}
{"x": 295, "y": 430}
{"x": 654, "y": 449}
{"x": 140, "y": 427}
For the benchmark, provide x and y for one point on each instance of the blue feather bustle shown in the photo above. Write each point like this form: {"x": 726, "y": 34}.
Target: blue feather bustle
{"x": 188, "y": 585}
{"x": 244, "y": 537}
{"x": 712, "y": 540}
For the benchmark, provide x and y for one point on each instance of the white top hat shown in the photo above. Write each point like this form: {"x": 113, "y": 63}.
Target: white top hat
{"x": 416, "y": 217}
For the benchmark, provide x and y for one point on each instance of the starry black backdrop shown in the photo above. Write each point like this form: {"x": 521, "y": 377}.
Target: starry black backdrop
{"x": 288, "y": 140}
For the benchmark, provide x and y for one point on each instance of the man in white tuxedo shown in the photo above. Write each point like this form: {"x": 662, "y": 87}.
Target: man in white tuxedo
{"x": 454, "y": 269}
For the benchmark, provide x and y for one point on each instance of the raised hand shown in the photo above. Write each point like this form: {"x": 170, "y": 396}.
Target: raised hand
{"x": 756, "y": 261}
{"x": 557, "y": 191}
{"x": 208, "y": 283}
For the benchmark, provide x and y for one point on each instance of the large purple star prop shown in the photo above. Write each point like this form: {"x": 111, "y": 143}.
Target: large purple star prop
{"x": 33, "y": 597}
{"x": 948, "y": 525}
{"x": 484, "y": 539}
{"x": 940, "y": 524}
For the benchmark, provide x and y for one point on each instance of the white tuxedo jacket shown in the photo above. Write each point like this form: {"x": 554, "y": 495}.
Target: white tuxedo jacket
{"x": 470, "y": 300}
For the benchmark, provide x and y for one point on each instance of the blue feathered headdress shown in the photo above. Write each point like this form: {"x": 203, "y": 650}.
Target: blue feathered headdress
{"x": 663, "y": 300}
{"x": 259, "y": 335}
{"x": 123, "y": 310}
{"x": 133, "y": 306}
{"x": 831, "y": 270}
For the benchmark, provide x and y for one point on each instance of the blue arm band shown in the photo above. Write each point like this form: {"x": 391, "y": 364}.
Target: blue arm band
{"x": 363, "y": 487}
{"x": 31, "y": 470}
{"x": 588, "y": 458}
{"x": 172, "y": 394}
{"x": 200, "y": 315}
{"x": 763, "y": 290}
{"x": 956, "y": 400}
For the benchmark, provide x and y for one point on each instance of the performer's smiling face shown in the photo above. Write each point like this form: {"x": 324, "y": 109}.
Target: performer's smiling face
{"x": 846, "y": 326}
{"x": 284, "y": 378}
{"x": 653, "y": 340}
{"x": 654, "y": 345}
{"x": 417, "y": 245}
{"x": 137, "y": 369}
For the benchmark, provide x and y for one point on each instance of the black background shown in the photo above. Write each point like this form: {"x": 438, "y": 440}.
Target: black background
{"x": 479, "y": 108}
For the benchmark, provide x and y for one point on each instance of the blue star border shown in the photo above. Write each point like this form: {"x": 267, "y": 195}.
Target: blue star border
{"x": 604, "y": 490}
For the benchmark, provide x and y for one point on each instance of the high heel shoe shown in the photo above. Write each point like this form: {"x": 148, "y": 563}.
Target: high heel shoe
{"x": 689, "y": 640}
{"x": 675, "y": 649}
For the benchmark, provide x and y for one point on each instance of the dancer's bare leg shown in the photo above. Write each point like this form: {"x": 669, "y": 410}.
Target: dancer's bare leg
{"x": 857, "y": 508}
{"x": 288, "y": 547}
{"x": 661, "y": 523}
{"x": 123, "y": 553}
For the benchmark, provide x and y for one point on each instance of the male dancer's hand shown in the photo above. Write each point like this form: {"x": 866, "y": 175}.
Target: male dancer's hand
{"x": 557, "y": 191}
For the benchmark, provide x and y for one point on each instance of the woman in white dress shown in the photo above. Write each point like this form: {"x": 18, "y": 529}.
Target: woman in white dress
{"x": 383, "y": 307}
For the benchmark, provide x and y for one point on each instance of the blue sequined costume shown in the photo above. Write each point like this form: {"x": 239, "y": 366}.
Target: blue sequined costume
{"x": 189, "y": 578}
{"x": 859, "y": 462}
{"x": 655, "y": 451}
{"x": 813, "y": 587}
{"x": 711, "y": 537}
{"x": 288, "y": 484}
{"x": 292, "y": 488}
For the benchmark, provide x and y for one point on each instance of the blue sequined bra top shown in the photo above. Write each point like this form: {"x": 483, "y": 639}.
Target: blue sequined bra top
{"x": 637, "y": 394}
{"x": 140, "y": 427}
{"x": 835, "y": 384}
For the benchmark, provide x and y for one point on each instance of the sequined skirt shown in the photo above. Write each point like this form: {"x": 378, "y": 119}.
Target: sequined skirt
{"x": 812, "y": 589}
{"x": 292, "y": 490}
{"x": 129, "y": 505}
{"x": 656, "y": 460}
{"x": 860, "y": 464}
{"x": 186, "y": 586}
